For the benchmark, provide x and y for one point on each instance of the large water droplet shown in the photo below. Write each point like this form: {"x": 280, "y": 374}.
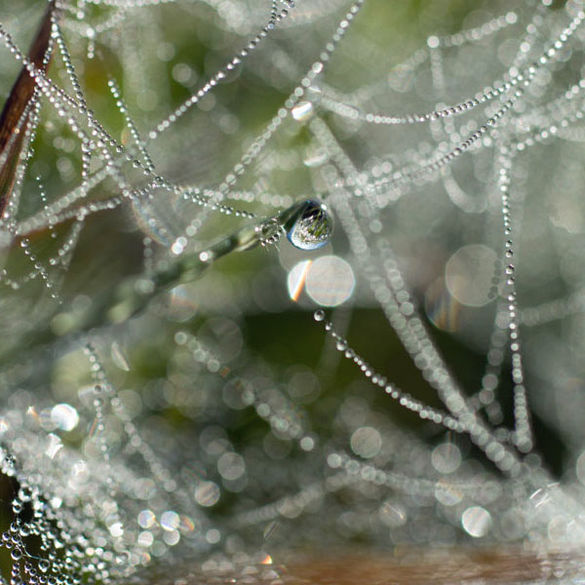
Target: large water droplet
{"x": 308, "y": 225}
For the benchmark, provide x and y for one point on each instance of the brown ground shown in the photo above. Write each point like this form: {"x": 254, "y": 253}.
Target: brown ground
{"x": 439, "y": 568}
{"x": 412, "y": 567}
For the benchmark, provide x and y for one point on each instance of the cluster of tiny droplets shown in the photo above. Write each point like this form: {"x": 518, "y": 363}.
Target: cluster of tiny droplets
{"x": 260, "y": 143}
{"x": 403, "y": 399}
{"x": 100, "y": 390}
{"x": 280, "y": 415}
{"x": 521, "y": 409}
{"x": 417, "y": 342}
{"x": 275, "y": 18}
{"x": 149, "y": 165}
{"x": 523, "y": 438}
{"x": 39, "y": 269}
{"x": 104, "y": 389}
{"x": 505, "y": 117}
{"x": 519, "y": 82}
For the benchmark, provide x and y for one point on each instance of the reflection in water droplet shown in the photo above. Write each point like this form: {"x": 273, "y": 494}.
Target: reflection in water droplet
{"x": 308, "y": 225}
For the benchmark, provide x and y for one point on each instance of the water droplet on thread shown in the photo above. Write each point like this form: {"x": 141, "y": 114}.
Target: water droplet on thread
{"x": 308, "y": 225}
{"x": 319, "y": 315}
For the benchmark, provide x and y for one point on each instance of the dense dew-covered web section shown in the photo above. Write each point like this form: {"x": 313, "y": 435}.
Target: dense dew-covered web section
{"x": 282, "y": 279}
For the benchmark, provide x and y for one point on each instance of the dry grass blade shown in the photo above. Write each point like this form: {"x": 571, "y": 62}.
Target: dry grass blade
{"x": 15, "y": 115}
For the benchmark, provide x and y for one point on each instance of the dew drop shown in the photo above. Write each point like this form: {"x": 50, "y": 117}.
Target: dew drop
{"x": 308, "y": 225}
{"x": 319, "y": 315}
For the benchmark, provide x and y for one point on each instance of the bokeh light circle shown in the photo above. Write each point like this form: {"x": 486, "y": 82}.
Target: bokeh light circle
{"x": 469, "y": 275}
{"x": 330, "y": 281}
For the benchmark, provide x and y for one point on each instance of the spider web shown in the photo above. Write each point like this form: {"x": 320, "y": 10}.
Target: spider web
{"x": 161, "y": 136}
